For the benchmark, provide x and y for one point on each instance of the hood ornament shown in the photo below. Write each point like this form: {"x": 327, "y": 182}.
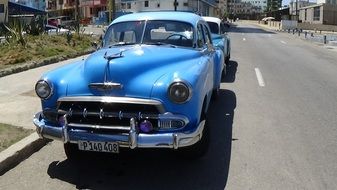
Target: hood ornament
{"x": 113, "y": 56}
{"x": 107, "y": 84}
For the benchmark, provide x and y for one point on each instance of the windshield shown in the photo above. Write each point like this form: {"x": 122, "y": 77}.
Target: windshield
{"x": 214, "y": 27}
{"x": 156, "y": 32}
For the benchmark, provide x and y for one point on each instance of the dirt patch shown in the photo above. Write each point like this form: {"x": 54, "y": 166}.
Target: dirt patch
{"x": 10, "y": 134}
{"x": 29, "y": 93}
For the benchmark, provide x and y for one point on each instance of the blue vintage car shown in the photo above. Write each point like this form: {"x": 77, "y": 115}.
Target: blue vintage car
{"x": 220, "y": 38}
{"x": 148, "y": 86}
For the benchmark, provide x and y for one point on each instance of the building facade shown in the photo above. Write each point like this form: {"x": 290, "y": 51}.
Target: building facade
{"x": 36, "y": 4}
{"x": 319, "y": 14}
{"x": 3, "y": 11}
{"x": 259, "y": 4}
{"x": 201, "y": 7}
{"x": 273, "y": 5}
{"x": 295, "y": 5}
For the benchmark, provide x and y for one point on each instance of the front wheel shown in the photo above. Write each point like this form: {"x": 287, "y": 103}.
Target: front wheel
{"x": 200, "y": 148}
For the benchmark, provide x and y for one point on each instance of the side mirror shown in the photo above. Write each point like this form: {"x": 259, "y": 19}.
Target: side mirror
{"x": 94, "y": 45}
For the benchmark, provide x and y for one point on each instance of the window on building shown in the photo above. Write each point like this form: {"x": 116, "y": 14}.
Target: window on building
{"x": 317, "y": 13}
{"x": 185, "y": 4}
{"x": 305, "y": 14}
{"x": 60, "y": 2}
{"x": 2, "y": 8}
{"x": 123, "y": 5}
{"x": 158, "y": 5}
{"x": 128, "y": 5}
{"x": 146, "y": 3}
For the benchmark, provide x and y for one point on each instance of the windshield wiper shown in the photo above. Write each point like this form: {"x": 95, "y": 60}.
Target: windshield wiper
{"x": 161, "y": 44}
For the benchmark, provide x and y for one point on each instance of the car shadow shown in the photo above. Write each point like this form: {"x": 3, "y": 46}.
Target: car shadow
{"x": 232, "y": 67}
{"x": 159, "y": 169}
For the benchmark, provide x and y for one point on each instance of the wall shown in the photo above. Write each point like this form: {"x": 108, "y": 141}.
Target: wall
{"x": 318, "y": 27}
{"x": 3, "y": 13}
{"x": 330, "y": 14}
{"x": 288, "y": 24}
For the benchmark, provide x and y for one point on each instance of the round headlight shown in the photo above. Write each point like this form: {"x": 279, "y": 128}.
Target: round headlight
{"x": 43, "y": 89}
{"x": 179, "y": 92}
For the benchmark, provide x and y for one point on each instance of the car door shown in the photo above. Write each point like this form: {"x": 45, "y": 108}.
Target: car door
{"x": 213, "y": 58}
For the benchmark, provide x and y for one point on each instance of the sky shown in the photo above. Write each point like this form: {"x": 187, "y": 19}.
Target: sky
{"x": 286, "y": 2}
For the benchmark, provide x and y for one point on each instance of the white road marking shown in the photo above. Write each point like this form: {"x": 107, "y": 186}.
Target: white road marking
{"x": 283, "y": 42}
{"x": 244, "y": 39}
{"x": 259, "y": 77}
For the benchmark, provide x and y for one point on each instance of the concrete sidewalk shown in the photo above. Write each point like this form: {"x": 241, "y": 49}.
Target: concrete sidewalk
{"x": 19, "y": 103}
{"x": 309, "y": 35}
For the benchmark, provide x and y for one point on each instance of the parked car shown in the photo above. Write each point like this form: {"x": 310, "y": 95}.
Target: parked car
{"x": 61, "y": 22}
{"x": 148, "y": 86}
{"x": 219, "y": 36}
{"x": 53, "y": 30}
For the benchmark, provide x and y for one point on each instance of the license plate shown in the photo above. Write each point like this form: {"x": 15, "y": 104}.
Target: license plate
{"x": 111, "y": 147}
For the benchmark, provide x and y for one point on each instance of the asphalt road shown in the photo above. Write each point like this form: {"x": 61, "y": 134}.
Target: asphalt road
{"x": 274, "y": 126}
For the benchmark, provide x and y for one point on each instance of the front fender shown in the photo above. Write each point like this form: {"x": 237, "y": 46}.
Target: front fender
{"x": 199, "y": 75}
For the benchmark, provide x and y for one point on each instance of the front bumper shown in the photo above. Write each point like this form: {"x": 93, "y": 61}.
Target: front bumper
{"x": 131, "y": 140}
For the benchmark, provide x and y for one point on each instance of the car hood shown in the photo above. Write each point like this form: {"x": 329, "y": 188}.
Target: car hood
{"x": 132, "y": 70}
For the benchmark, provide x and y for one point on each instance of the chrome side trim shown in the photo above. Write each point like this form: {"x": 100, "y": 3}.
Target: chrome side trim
{"x": 108, "y": 99}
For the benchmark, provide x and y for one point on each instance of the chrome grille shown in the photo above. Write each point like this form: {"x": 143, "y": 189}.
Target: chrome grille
{"x": 107, "y": 116}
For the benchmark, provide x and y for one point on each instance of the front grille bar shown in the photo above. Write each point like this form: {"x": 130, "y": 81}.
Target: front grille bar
{"x": 88, "y": 126}
{"x": 120, "y": 115}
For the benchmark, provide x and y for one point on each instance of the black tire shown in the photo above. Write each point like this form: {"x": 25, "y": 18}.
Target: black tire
{"x": 72, "y": 152}
{"x": 215, "y": 93}
{"x": 227, "y": 59}
{"x": 199, "y": 149}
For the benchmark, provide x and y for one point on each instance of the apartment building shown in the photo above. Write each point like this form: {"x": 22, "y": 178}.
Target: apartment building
{"x": 3, "y": 11}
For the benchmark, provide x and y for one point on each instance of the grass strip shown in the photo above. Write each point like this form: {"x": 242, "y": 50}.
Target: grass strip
{"x": 11, "y": 134}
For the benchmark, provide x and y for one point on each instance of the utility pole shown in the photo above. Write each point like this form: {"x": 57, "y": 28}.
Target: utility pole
{"x": 77, "y": 16}
{"x": 112, "y": 10}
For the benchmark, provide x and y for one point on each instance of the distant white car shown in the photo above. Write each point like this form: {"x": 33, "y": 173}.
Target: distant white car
{"x": 53, "y": 30}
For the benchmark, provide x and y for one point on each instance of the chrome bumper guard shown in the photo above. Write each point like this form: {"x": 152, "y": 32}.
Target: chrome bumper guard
{"x": 131, "y": 140}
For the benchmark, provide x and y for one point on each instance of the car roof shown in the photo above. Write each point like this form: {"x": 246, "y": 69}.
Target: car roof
{"x": 162, "y": 15}
{"x": 211, "y": 19}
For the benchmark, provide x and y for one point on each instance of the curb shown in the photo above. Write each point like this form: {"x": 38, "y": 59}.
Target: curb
{"x": 47, "y": 61}
{"x": 12, "y": 156}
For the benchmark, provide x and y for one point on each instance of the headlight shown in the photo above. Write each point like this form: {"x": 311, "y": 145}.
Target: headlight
{"x": 43, "y": 89}
{"x": 179, "y": 92}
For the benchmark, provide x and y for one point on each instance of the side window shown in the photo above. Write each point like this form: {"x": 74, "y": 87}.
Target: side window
{"x": 200, "y": 37}
{"x": 207, "y": 35}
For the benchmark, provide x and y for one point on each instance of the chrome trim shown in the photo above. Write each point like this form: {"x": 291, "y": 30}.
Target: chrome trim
{"x": 130, "y": 140}
{"x": 65, "y": 130}
{"x": 133, "y": 134}
{"x": 108, "y": 99}
{"x": 119, "y": 115}
{"x": 106, "y": 86}
{"x": 89, "y": 126}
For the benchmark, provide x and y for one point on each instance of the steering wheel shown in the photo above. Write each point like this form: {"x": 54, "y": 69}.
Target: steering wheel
{"x": 181, "y": 36}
